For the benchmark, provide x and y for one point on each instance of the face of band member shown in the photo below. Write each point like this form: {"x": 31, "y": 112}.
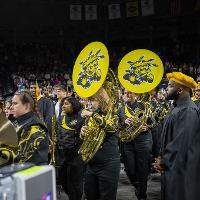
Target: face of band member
{"x": 18, "y": 108}
{"x": 172, "y": 90}
{"x": 8, "y": 109}
{"x": 33, "y": 90}
{"x": 95, "y": 104}
{"x": 129, "y": 96}
{"x": 67, "y": 107}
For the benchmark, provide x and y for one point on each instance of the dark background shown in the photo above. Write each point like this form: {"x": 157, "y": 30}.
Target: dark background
{"x": 40, "y": 36}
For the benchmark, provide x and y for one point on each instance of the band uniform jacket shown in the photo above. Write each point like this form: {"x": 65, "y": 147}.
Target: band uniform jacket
{"x": 32, "y": 141}
{"x": 69, "y": 126}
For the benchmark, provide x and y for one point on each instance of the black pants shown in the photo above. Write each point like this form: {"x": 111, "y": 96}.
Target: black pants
{"x": 102, "y": 180}
{"x": 71, "y": 175}
{"x": 137, "y": 162}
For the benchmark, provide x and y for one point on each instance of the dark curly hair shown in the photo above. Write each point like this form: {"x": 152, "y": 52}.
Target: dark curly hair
{"x": 76, "y": 105}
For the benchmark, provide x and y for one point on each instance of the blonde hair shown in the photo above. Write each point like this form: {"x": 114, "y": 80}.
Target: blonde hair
{"x": 104, "y": 99}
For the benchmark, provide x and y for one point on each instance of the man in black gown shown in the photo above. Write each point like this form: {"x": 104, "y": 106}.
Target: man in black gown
{"x": 180, "y": 142}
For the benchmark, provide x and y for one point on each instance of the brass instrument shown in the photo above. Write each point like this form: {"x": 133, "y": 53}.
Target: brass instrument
{"x": 8, "y": 137}
{"x": 93, "y": 136}
{"x": 53, "y": 141}
{"x": 8, "y": 134}
{"x": 161, "y": 111}
{"x": 140, "y": 118}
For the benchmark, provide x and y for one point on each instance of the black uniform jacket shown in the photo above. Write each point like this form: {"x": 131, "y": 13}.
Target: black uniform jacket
{"x": 32, "y": 141}
{"x": 68, "y": 130}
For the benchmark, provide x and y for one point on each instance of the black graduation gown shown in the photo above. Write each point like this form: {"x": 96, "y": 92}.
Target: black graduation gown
{"x": 197, "y": 102}
{"x": 178, "y": 133}
{"x": 192, "y": 171}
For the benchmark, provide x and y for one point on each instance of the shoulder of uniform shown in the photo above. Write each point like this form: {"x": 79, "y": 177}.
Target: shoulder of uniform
{"x": 35, "y": 129}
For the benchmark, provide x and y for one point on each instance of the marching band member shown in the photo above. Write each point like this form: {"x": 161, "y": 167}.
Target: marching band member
{"x": 136, "y": 153}
{"x": 72, "y": 168}
{"x": 32, "y": 133}
{"x": 7, "y": 108}
{"x": 197, "y": 95}
{"x": 103, "y": 169}
{"x": 161, "y": 108}
{"x": 100, "y": 142}
{"x": 139, "y": 72}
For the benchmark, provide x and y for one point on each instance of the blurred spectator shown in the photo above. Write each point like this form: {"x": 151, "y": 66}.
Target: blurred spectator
{"x": 1, "y": 106}
{"x": 30, "y": 61}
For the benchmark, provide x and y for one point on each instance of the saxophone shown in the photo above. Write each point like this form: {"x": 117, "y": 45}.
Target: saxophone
{"x": 53, "y": 141}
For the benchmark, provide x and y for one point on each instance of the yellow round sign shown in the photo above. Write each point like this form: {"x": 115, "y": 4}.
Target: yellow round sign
{"x": 140, "y": 71}
{"x": 90, "y": 69}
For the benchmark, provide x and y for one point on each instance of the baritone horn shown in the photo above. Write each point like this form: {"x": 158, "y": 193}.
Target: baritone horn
{"x": 91, "y": 76}
{"x": 140, "y": 71}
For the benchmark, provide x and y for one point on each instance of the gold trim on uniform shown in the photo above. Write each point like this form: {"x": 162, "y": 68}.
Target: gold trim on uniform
{"x": 64, "y": 125}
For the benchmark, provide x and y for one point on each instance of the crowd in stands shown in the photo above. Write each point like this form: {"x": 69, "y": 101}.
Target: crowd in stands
{"x": 52, "y": 67}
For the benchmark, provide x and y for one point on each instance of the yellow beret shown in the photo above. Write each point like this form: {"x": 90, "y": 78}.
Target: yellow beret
{"x": 182, "y": 79}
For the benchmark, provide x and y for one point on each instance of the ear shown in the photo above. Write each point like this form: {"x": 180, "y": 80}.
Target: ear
{"x": 180, "y": 90}
{"x": 28, "y": 106}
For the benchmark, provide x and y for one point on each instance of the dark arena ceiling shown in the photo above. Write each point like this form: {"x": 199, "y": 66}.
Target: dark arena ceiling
{"x": 55, "y": 20}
